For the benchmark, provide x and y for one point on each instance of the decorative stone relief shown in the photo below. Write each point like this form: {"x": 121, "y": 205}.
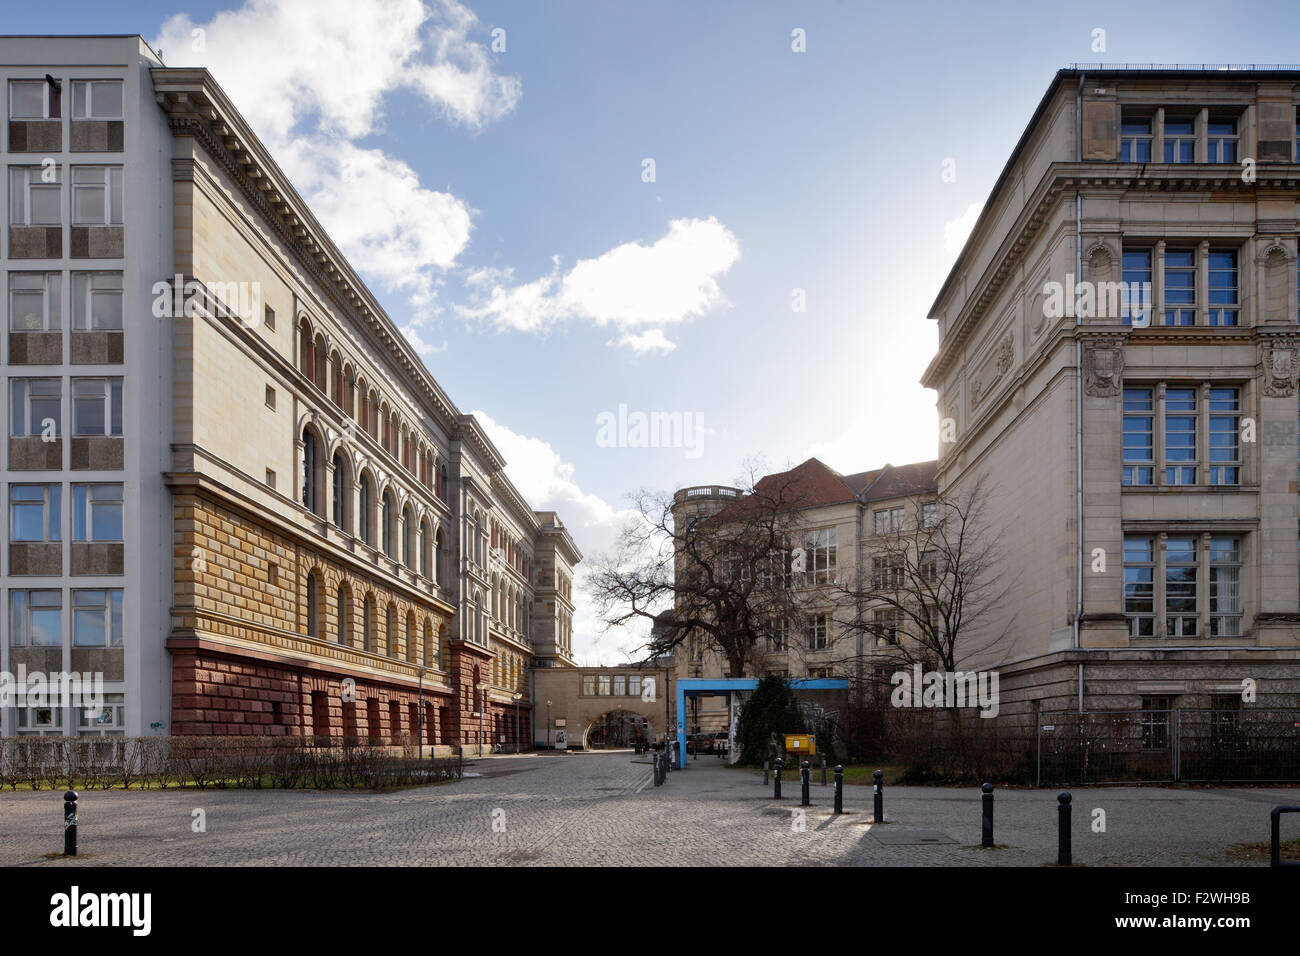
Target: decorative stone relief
{"x": 1277, "y": 365}
{"x": 1103, "y": 367}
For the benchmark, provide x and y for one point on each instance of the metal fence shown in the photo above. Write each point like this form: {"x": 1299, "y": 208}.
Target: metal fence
{"x": 1162, "y": 746}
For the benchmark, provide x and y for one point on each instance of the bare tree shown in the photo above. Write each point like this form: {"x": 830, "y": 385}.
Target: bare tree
{"x": 925, "y": 594}
{"x": 723, "y": 580}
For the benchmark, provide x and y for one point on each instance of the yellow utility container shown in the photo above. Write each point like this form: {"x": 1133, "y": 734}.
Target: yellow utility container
{"x": 800, "y": 743}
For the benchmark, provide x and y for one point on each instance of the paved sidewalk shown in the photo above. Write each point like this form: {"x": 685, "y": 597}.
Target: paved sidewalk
{"x": 599, "y": 808}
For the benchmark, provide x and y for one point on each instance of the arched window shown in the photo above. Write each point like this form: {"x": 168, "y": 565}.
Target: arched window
{"x": 390, "y": 630}
{"x": 348, "y": 404}
{"x": 426, "y": 551}
{"x": 309, "y": 459}
{"x": 305, "y": 352}
{"x": 320, "y": 371}
{"x": 408, "y": 538}
{"x": 388, "y": 518}
{"x": 366, "y": 504}
{"x": 411, "y": 644}
{"x": 427, "y": 649}
{"x": 313, "y": 606}
{"x": 442, "y": 482}
{"x": 363, "y": 401}
{"x": 345, "y": 627}
{"x": 340, "y": 498}
{"x": 440, "y": 550}
{"x": 368, "y": 624}
{"x": 337, "y": 363}
{"x": 475, "y": 624}
{"x": 388, "y": 426}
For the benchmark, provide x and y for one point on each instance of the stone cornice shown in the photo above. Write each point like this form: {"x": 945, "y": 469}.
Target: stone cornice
{"x": 197, "y": 107}
{"x": 1063, "y": 178}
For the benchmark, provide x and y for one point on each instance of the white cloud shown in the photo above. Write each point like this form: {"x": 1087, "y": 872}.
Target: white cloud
{"x": 311, "y": 77}
{"x": 651, "y": 340}
{"x": 631, "y": 286}
{"x": 956, "y": 230}
{"x": 547, "y": 483}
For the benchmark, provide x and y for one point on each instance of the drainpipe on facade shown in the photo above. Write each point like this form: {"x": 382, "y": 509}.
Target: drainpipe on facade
{"x": 1078, "y": 379}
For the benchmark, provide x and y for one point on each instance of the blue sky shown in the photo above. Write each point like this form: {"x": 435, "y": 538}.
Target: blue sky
{"x": 496, "y": 203}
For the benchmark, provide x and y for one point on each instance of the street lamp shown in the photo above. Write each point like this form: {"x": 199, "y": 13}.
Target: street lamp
{"x": 482, "y": 690}
{"x": 548, "y": 725}
{"x": 517, "y": 697}
{"x": 420, "y": 739}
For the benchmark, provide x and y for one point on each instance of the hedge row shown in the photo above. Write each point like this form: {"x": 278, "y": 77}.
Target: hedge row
{"x": 100, "y": 763}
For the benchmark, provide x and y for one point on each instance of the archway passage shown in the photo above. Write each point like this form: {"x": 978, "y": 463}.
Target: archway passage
{"x": 617, "y": 729}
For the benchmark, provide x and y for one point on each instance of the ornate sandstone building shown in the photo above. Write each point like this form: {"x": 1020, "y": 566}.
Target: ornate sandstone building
{"x": 267, "y": 516}
{"x": 1140, "y": 439}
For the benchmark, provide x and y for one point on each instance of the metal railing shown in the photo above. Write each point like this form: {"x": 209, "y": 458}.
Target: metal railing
{"x": 1162, "y": 746}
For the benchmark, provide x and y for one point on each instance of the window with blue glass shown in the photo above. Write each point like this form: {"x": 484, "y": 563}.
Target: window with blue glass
{"x": 1135, "y": 139}
{"x": 1221, "y": 141}
{"x": 1180, "y": 287}
{"x": 1225, "y": 442}
{"x": 1139, "y": 451}
{"x": 1137, "y": 286}
{"x": 1180, "y": 140}
{"x": 1182, "y": 618}
{"x": 1224, "y": 291}
{"x": 1180, "y": 436}
{"x": 1140, "y": 586}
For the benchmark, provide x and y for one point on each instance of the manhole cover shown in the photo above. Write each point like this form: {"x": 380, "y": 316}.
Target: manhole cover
{"x": 891, "y": 837}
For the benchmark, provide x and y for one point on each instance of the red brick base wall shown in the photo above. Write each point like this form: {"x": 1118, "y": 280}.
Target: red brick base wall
{"x": 223, "y": 693}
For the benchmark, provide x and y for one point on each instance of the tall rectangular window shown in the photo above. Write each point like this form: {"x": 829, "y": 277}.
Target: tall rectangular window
{"x": 97, "y": 99}
{"x": 1139, "y": 586}
{"x": 1180, "y": 287}
{"x": 1222, "y": 141}
{"x": 97, "y": 406}
{"x": 36, "y": 618}
{"x": 620, "y": 685}
{"x": 1181, "y": 612}
{"x": 35, "y": 407}
{"x": 818, "y": 631}
{"x": 97, "y": 195}
{"x": 929, "y": 515}
{"x": 34, "y": 302}
{"x": 1180, "y": 140}
{"x": 1139, "y": 451}
{"x": 820, "y": 555}
{"x": 97, "y": 617}
{"x": 96, "y": 301}
{"x": 588, "y": 684}
{"x": 1135, "y": 139}
{"x": 34, "y": 512}
{"x": 1224, "y": 293}
{"x": 97, "y": 512}
{"x": 1225, "y": 446}
{"x": 35, "y": 196}
{"x": 1180, "y": 436}
{"x": 1155, "y": 723}
{"x": 602, "y": 682}
{"x": 1137, "y": 286}
{"x": 1225, "y": 587}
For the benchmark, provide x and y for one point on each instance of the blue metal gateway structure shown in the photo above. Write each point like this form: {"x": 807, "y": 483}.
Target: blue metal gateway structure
{"x": 713, "y": 686}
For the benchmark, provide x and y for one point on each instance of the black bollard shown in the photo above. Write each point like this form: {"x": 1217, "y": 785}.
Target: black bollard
{"x": 776, "y": 780}
{"x": 986, "y": 838}
{"x": 823, "y": 770}
{"x": 1063, "y": 829}
{"x": 766, "y": 767}
{"x": 70, "y": 823}
{"x": 839, "y": 789}
{"x": 879, "y": 809}
{"x": 806, "y": 773}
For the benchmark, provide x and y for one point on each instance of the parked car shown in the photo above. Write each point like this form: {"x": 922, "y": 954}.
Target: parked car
{"x": 721, "y": 743}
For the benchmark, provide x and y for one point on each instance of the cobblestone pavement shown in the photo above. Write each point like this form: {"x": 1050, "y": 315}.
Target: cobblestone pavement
{"x": 592, "y": 809}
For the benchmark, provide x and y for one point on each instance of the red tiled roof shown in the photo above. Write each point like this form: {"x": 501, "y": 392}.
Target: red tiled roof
{"x": 897, "y": 482}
